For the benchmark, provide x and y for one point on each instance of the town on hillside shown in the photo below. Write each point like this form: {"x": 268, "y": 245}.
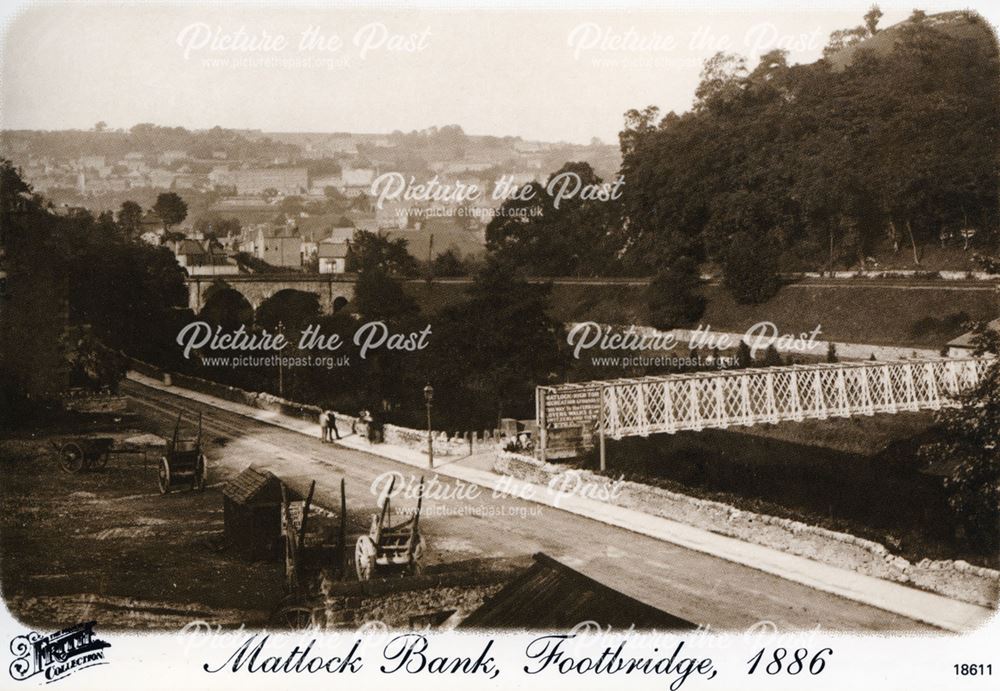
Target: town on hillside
{"x": 291, "y": 201}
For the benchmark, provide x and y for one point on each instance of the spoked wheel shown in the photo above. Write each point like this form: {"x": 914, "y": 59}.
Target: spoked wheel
{"x": 101, "y": 461}
{"x": 71, "y": 457}
{"x": 163, "y": 475}
{"x": 293, "y": 612}
{"x": 198, "y": 480}
{"x": 364, "y": 558}
{"x": 416, "y": 568}
{"x": 295, "y": 617}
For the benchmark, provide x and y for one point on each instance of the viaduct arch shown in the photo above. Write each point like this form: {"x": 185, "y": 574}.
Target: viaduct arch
{"x": 332, "y": 289}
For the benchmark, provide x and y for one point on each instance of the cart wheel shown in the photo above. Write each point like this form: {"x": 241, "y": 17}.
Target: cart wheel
{"x": 416, "y": 568}
{"x": 163, "y": 476}
{"x": 71, "y": 457}
{"x": 364, "y": 558}
{"x": 295, "y": 617}
{"x": 198, "y": 480}
{"x": 101, "y": 461}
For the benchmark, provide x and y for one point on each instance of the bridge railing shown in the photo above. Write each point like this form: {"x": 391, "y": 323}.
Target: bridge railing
{"x": 673, "y": 403}
{"x": 720, "y": 399}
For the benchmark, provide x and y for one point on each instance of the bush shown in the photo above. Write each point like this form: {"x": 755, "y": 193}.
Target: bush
{"x": 926, "y": 326}
{"x": 971, "y": 447}
{"x": 672, "y": 297}
{"x": 750, "y": 270}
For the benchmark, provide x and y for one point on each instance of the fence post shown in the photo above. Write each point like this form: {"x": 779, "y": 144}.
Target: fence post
{"x": 600, "y": 427}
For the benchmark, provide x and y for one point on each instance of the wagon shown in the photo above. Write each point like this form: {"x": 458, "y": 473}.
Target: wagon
{"x": 307, "y": 563}
{"x": 183, "y": 465}
{"x": 85, "y": 453}
{"x": 388, "y": 546}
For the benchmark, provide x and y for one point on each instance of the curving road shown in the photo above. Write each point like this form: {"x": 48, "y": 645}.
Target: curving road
{"x": 701, "y": 588}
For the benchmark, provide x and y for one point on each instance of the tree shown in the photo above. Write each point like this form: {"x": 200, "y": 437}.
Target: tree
{"x": 820, "y": 163}
{"x": 722, "y": 79}
{"x": 750, "y": 270}
{"x": 170, "y": 208}
{"x": 100, "y": 126}
{"x": 507, "y": 343}
{"x": 771, "y": 357}
{"x": 447, "y": 264}
{"x": 871, "y": 19}
{"x": 216, "y": 226}
{"x": 129, "y": 219}
{"x": 292, "y": 309}
{"x": 744, "y": 358}
{"x": 560, "y": 234}
{"x": 379, "y": 296}
{"x": 376, "y": 251}
{"x": 673, "y": 298}
{"x": 970, "y": 444}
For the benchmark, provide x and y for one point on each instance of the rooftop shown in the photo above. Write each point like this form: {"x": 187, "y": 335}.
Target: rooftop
{"x": 552, "y": 596}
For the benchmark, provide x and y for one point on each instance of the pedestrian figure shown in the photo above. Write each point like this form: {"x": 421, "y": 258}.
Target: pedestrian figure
{"x": 324, "y": 429}
{"x": 331, "y": 425}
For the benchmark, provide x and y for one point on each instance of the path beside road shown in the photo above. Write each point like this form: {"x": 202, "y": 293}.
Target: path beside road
{"x": 703, "y": 577}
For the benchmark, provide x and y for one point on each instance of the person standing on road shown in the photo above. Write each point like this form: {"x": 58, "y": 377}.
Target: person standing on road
{"x": 324, "y": 426}
{"x": 331, "y": 425}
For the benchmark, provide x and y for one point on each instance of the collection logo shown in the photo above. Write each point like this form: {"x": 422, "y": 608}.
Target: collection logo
{"x": 57, "y": 655}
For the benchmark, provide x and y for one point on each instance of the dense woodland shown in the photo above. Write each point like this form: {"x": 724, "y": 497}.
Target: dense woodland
{"x": 889, "y": 141}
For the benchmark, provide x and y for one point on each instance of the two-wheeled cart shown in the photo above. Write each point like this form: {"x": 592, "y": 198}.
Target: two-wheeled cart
{"x": 389, "y": 547}
{"x": 183, "y": 463}
{"x": 84, "y": 453}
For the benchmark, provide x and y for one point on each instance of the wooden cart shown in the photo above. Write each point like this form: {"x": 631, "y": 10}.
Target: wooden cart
{"x": 387, "y": 546}
{"x": 305, "y": 563}
{"x": 85, "y": 453}
{"x": 183, "y": 465}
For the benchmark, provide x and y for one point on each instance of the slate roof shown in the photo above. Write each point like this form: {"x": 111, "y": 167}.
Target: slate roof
{"x": 327, "y": 250}
{"x": 551, "y": 596}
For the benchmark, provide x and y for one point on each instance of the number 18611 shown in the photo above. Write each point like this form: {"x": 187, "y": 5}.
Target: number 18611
{"x": 973, "y": 670}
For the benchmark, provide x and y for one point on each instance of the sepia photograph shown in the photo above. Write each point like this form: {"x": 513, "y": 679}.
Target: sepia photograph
{"x": 502, "y": 345}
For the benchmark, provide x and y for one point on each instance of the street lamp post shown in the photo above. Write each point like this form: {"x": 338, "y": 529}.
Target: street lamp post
{"x": 281, "y": 369}
{"x": 428, "y": 397}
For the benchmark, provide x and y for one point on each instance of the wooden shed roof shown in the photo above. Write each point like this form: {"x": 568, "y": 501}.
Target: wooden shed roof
{"x": 252, "y": 484}
{"x": 552, "y": 596}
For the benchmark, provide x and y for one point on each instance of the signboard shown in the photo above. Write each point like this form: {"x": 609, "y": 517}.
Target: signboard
{"x": 564, "y": 407}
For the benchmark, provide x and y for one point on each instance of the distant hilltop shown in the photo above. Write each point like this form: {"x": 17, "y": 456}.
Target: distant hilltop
{"x": 961, "y": 24}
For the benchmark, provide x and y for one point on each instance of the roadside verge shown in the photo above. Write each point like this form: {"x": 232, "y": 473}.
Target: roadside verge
{"x": 930, "y": 608}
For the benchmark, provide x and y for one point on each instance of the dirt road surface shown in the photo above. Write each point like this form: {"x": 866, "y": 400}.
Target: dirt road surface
{"x": 695, "y": 586}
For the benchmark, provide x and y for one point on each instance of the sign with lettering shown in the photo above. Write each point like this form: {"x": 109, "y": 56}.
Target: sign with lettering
{"x": 571, "y": 406}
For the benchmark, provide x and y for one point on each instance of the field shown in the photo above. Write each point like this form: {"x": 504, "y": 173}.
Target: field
{"x": 926, "y": 315}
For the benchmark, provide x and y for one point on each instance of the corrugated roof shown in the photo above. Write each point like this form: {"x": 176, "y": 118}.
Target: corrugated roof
{"x": 248, "y": 485}
{"x": 552, "y": 596}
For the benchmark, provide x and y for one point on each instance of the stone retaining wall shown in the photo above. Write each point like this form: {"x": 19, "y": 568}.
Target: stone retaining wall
{"x": 444, "y": 444}
{"x": 955, "y": 579}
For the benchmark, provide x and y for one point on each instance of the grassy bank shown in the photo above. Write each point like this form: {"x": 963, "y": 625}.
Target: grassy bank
{"x": 862, "y": 477}
{"x": 855, "y": 312}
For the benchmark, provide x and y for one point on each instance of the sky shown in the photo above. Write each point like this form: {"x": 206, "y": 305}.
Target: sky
{"x": 531, "y": 71}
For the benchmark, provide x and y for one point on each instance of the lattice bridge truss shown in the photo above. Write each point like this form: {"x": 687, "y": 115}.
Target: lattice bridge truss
{"x": 717, "y": 400}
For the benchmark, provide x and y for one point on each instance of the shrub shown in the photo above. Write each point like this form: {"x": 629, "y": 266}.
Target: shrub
{"x": 672, "y": 297}
{"x": 750, "y": 270}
